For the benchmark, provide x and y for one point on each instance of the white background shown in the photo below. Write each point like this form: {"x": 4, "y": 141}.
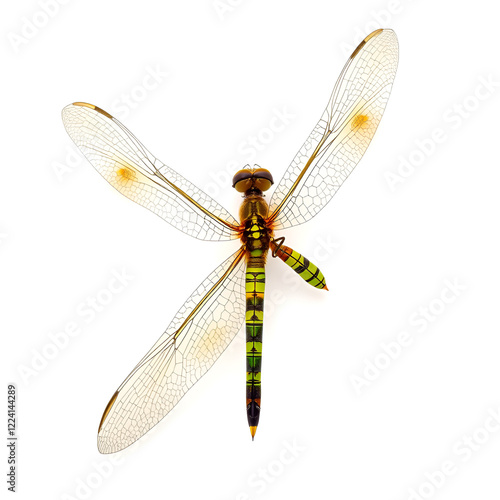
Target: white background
{"x": 387, "y": 252}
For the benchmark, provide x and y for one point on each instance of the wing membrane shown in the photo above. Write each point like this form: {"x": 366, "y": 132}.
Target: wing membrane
{"x": 342, "y": 134}
{"x": 130, "y": 168}
{"x": 196, "y": 337}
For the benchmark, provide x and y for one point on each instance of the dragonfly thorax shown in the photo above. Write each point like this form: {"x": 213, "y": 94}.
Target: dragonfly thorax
{"x": 256, "y": 235}
{"x": 254, "y": 205}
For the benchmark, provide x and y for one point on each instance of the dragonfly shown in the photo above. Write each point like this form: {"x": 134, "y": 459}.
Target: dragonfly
{"x": 234, "y": 292}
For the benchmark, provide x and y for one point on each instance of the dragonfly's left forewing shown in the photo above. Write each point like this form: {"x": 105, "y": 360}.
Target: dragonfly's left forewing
{"x": 130, "y": 168}
{"x": 196, "y": 337}
{"x": 342, "y": 134}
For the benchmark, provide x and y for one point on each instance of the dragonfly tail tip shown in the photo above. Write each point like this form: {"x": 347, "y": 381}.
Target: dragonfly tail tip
{"x": 253, "y": 430}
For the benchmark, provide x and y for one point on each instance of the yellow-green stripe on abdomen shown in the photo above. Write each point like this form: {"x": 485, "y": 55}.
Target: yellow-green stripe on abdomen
{"x": 255, "y": 284}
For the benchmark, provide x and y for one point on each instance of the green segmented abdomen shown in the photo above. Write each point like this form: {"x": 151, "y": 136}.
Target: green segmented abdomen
{"x": 255, "y": 284}
{"x": 302, "y": 266}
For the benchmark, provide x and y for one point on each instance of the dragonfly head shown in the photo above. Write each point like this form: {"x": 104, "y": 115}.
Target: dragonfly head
{"x": 252, "y": 180}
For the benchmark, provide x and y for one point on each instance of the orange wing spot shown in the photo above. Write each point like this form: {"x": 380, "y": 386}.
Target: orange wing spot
{"x": 360, "y": 122}
{"x": 124, "y": 175}
{"x": 212, "y": 342}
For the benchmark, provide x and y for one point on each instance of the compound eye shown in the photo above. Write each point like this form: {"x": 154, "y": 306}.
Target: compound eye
{"x": 263, "y": 174}
{"x": 241, "y": 179}
{"x": 263, "y": 179}
{"x": 262, "y": 184}
{"x": 243, "y": 186}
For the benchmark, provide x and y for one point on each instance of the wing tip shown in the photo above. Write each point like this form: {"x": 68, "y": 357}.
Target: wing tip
{"x": 101, "y": 448}
{"x": 373, "y": 34}
{"x": 105, "y": 446}
{"x": 107, "y": 410}
{"x": 91, "y": 106}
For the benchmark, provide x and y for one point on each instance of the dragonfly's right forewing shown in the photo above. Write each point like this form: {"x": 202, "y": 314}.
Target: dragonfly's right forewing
{"x": 130, "y": 168}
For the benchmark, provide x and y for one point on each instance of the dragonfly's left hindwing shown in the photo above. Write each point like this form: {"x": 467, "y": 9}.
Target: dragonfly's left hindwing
{"x": 200, "y": 332}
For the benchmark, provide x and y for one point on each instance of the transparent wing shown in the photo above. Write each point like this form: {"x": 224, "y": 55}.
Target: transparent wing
{"x": 200, "y": 332}
{"x": 129, "y": 167}
{"x": 343, "y": 133}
